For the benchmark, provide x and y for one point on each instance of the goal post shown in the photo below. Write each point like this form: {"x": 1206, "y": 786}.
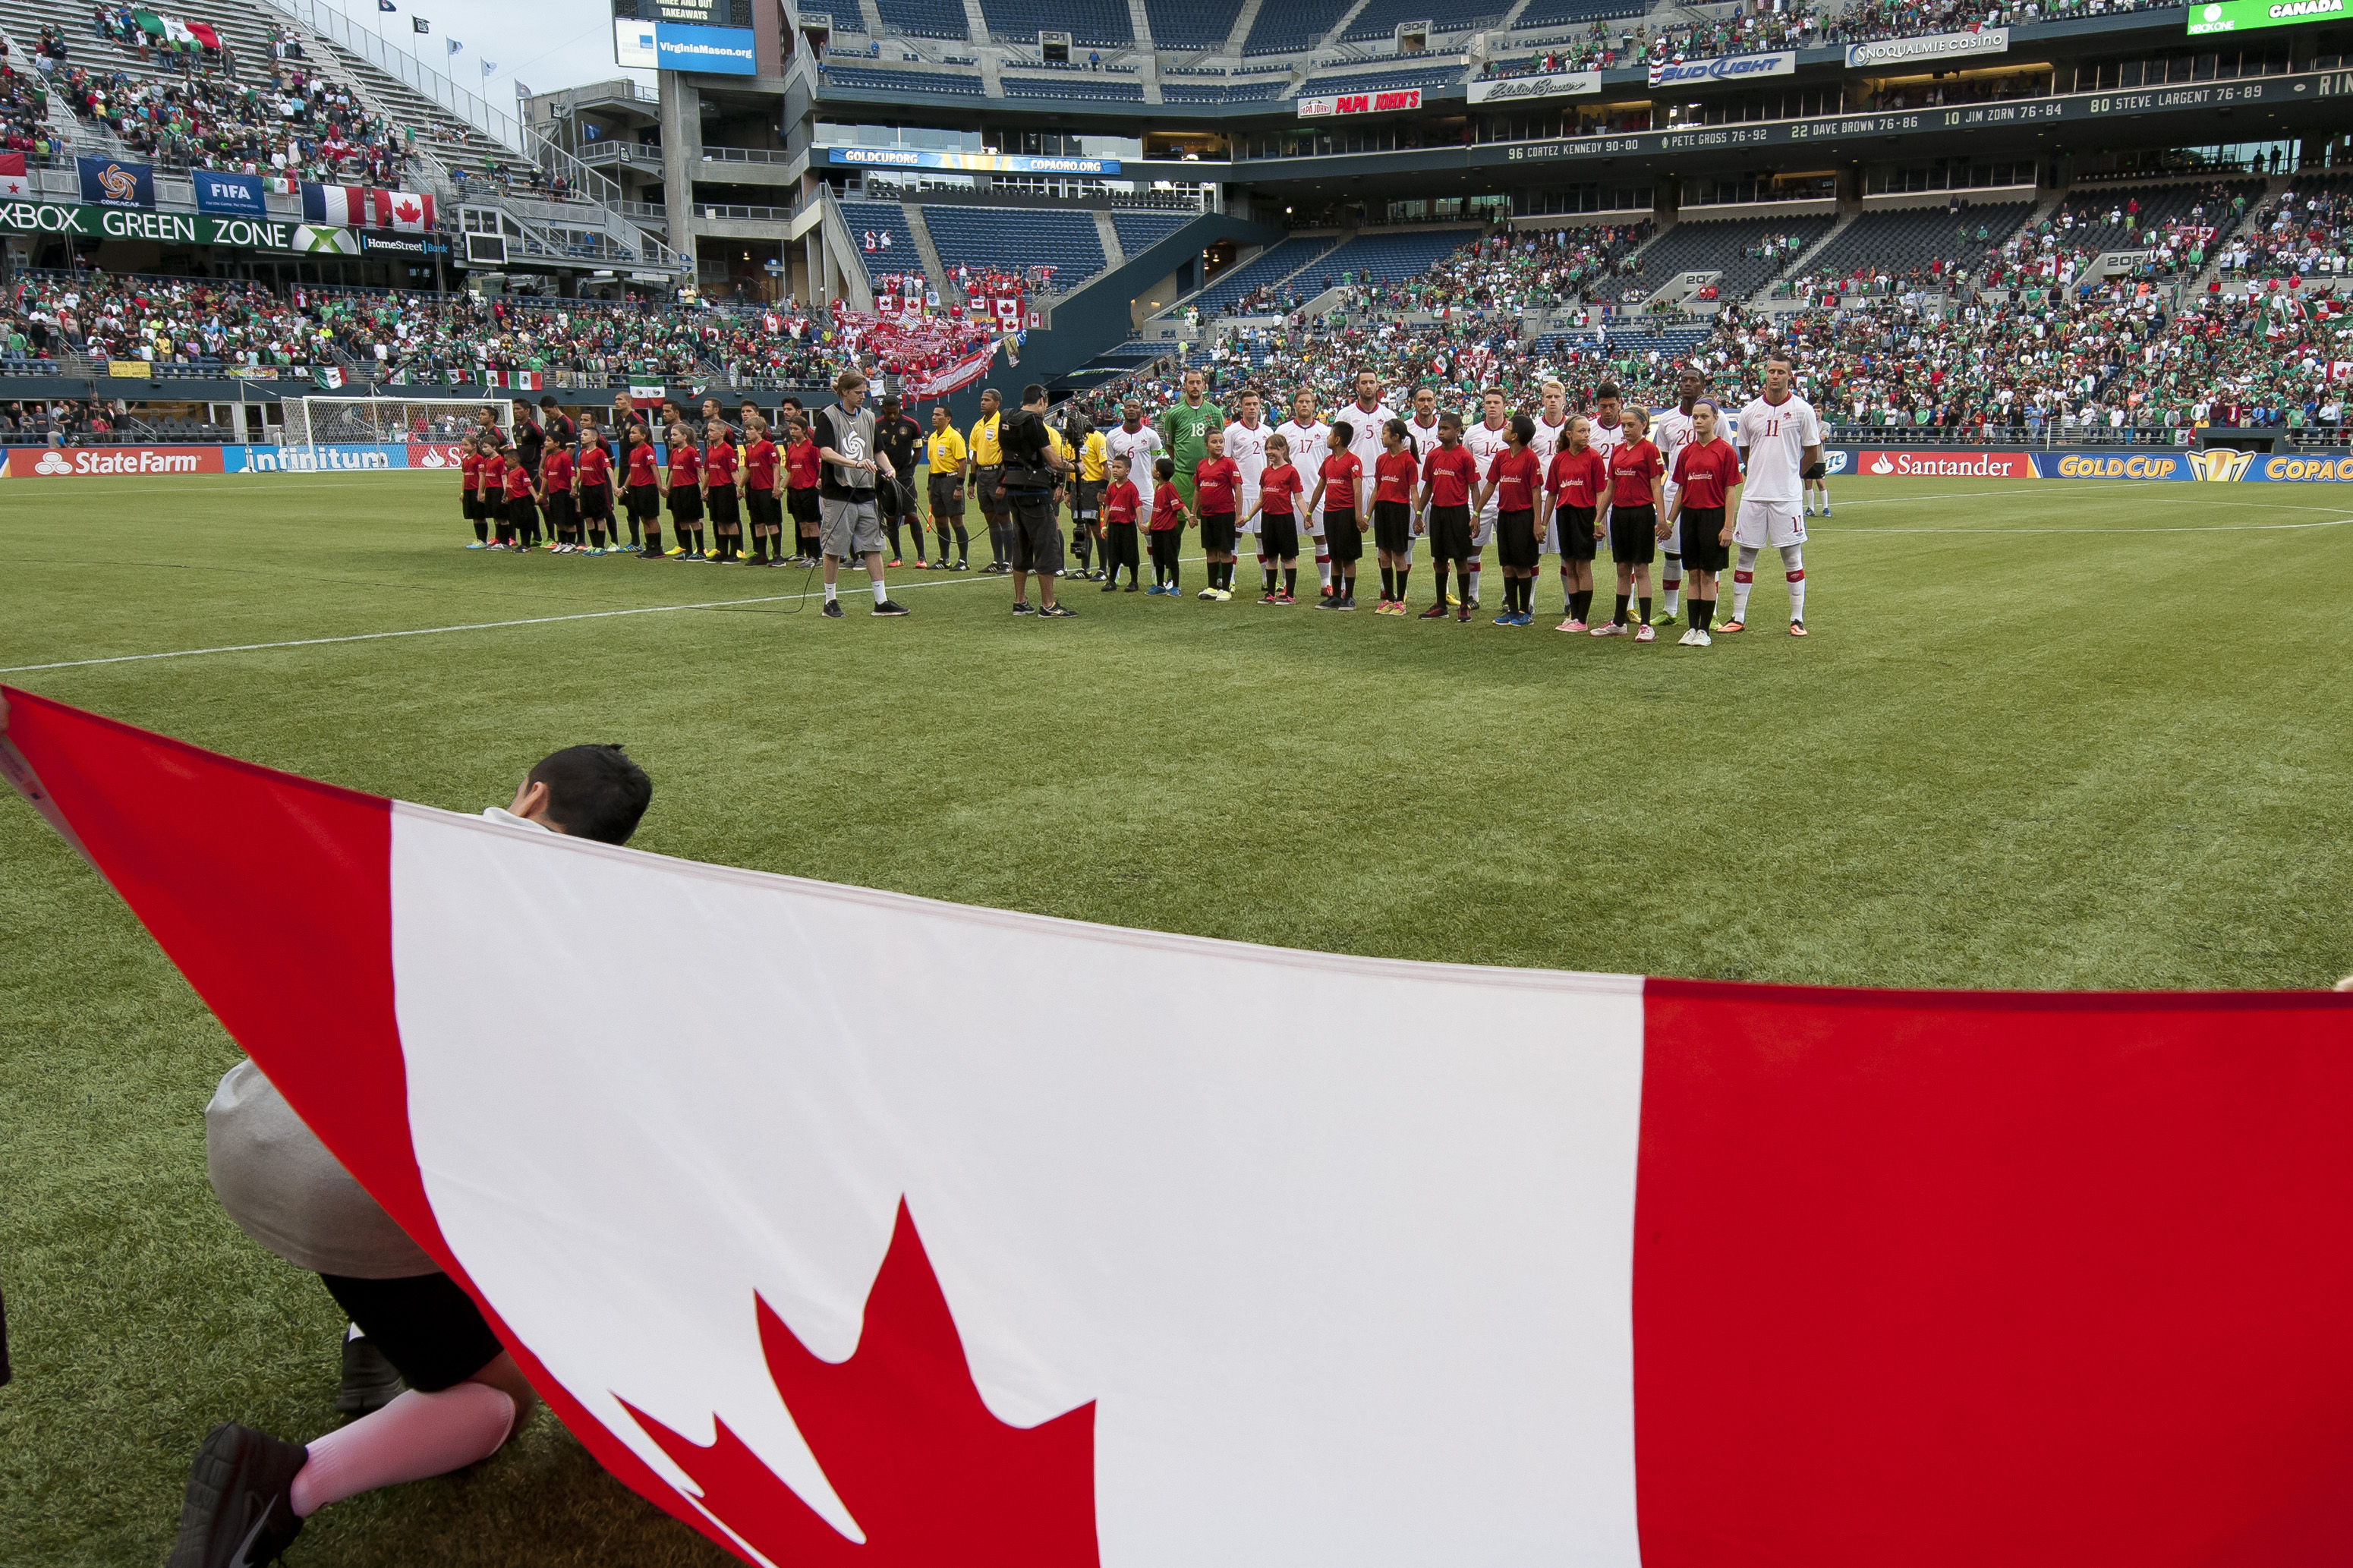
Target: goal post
{"x": 312, "y": 423}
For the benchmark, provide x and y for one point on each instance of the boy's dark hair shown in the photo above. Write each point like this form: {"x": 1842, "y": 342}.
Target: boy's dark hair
{"x": 1164, "y": 468}
{"x": 1448, "y": 416}
{"x": 1608, "y": 389}
{"x": 1523, "y": 427}
{"x": 594, "y": 791}
{"x": 1345, "y": 431}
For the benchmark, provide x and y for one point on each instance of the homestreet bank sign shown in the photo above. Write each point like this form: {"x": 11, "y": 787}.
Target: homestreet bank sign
{"x": 169, "y": 228}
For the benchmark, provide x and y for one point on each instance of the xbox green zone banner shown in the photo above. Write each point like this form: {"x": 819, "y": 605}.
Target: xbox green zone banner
{"x": 175, "y": 228}
{"x": 2246, "y": 16}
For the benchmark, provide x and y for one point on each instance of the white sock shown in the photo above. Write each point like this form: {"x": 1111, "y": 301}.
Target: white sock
{"x": 1793, "y": 564}
{"x": 830, "y": 590}
{"x": 1323, "y": 568}
{"x": 415, "y": 1435}
{"x": 880, "y": 592}
{"x": 1743, "y": 578}
{"x": 1670, "y": 584}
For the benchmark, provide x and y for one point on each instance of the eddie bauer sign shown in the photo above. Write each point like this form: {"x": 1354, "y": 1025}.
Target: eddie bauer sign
{"x": 169, "y": 228}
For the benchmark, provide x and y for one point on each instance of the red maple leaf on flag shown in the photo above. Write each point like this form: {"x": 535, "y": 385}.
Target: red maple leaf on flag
{"x": 407, "y": 212}
{"x": 899, "y": 1428}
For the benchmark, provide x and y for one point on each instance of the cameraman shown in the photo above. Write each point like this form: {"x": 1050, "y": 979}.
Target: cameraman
{"x": 1027, "y": 481}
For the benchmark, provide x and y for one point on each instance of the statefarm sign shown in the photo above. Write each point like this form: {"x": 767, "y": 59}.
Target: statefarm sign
{"x": 92, "y": 462}
{"x": 1360, "y": 102}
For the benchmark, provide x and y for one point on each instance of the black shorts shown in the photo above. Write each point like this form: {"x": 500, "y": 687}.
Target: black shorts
{"x": 645, "y": 502}
{"x": 1218, "y": 532}
{"x": 1515, "y": 538}
{"x": 802, "y": 504}
{"x": 1392, "y": 526}
{"x": 1574, "y": 524}
{"x": 522, "y": 512}
{"x": 1633, "y": 535}
{"x": 724, "y": 513}
{"x": 470, "y": 506}
{"x": 1036, "y": 539}
{"x": 685, "y": 504}
{"x": 1450, "y": 534}
{"x": 947, "y": 496}
{"x": 764, "y": 509}
{"x": 1277, "y": 536}
{"x": 1702, "y": 526}
{"x": 596, "y": 502}
{"x": 1086, "y": 499}
{"x": 984, "y": 487}
{"x": 426, "y": 1326}
{"x": 558, "y": 508}
{"x": 1343, "y": 539}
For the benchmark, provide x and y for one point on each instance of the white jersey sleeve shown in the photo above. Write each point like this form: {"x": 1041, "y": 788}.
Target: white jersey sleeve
{"x": 1246, "y": 447}
{"x": 1139, "y": 447}
{"x": 1367, "y": 442}
{"x": 1307, "y": 454}
{"x": 1774, "y": 439}
{"x": 1671, "y": 432}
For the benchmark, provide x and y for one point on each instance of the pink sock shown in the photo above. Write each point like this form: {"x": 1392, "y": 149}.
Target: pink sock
{"x": 415, "y": 1435}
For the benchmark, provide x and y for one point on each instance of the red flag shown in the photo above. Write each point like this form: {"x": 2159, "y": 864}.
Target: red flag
{"x": 1417, "y": 1263}
{"x": 14, "y": 180}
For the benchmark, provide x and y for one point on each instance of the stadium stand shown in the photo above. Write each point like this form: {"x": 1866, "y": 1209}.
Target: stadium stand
{"x": 1270, "y": 266}
{"x": 924, "y": 18}
{"x": 1390, "y": 258}
{"x": 1286, "y": 30}
{"x": 1734, "y": 246}
{"x": 1092, "y": 24}
{"x": 1673, "y": 343}
{"x": 1140, "y": 231}
{"x": 1900, "y": 243}
{"x": 1016, "y": 239}
{"x": 1568, "y": 13}
{"x": 2307, "y": 233}
{"x": 959, "y": 85}
{"x": 1379, "y": 19}
{"x": 880, "y": 218}
{"x": 1427, "y": 78}
{"x": 1191, "y": 23}
{"x": 2120, "y": 218}
{"x": 1094, "y": 89}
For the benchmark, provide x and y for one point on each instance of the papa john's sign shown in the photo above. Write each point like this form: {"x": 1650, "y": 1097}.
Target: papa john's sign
{"x": 95, "y": 462}
{"x": 1360, "y": 102}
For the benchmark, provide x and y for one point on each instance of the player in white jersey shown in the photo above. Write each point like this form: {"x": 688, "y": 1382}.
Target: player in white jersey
{"x": 1369, "y": 412}
{"x": 1139, "y": 442}
{"x": 1421, "y": 439}
{"x": 1779, "y": 439}
{"x": 1671, "y": 432}
{"x": 1246, "y": 444}
{"x": 1486, "y": 441}
{"x": 1552, "y": 429}
{"x": 1309, "y": 437}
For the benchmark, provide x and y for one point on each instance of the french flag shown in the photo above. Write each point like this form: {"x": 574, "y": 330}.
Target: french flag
{"x": 1228, "y": 1254}
{"x": 361, "y": 207}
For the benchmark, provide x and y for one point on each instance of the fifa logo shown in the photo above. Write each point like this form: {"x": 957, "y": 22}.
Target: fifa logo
{"x": 2220, "y": 464}
{"x": 119, "y": 185}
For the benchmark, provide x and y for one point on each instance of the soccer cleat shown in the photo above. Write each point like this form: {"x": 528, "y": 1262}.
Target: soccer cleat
{"x": 1645, "y": 634}
{"x": 832, "y": 611}
{"x": 1269, "y": 597}
{"x": 1826, "y": 512}
{"x": 1507, "y": 618}
{"x": 675, "y": 550}
{"x": 1472, "y": 603}
{"x": 1435, "y": 613}
{"x": 894, "y": 560}
{"x": 1283, "y": 598}
{"x": 1797, "y": 628}
{"x": 1223, "y": 595}
{"x": 1703, "y": 640}
{"x": 1570, "y": 625}
{"x": 1111, "y": 588}
{"x": 1451, "y": 599}
{"x": 1611, "y": 630}
{"x": 1663, "y": 619}
{"x": 239, "y": 1508}
{"x": 478, "y": 545}
{"x": 1734, "y": 625}
{"x": 1206, "y": 594}
{"x": 370, "y": 1381}
{"x": 1463, "y": 614}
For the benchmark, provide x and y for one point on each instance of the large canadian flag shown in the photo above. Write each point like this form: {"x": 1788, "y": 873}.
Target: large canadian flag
{"x": 1098, "y": 1246}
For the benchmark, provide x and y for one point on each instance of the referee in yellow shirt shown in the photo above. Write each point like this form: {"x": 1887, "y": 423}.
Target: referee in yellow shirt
{"x": 944, "y": 454}
{"x": 1091, "y": 458}
{"x": 986, "y": 469}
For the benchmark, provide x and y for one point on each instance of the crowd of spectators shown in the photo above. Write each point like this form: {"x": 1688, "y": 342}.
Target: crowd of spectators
{"x": 297, "y": 125}
{"x": 25, "y": 114}
{"x": 2303, "y": 235}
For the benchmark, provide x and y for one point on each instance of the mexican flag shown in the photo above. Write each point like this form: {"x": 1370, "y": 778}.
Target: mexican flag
{"x": 1228, "y": 1253}
{"x": 330, "y": 376}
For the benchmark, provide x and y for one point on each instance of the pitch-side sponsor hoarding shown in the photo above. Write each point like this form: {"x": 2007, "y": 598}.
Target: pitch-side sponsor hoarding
{"x": 1934, "y": 46}
{"x": 92, "y": 462}
{"x": 2217, "y": 465}
{"x": 1360, "y": 102}
{"x": 2247, "y": 16}
{"x": 1518, "y": 88}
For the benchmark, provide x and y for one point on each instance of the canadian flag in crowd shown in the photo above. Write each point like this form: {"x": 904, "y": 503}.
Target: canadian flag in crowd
{"x": 362, "y": 207}
{"x": 1227, "y": 1254}
{"x": 14, "y": 180}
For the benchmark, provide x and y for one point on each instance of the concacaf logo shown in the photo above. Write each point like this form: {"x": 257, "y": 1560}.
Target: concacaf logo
{"x": 2220, "y": 464}
{"x": 119, "y": 183}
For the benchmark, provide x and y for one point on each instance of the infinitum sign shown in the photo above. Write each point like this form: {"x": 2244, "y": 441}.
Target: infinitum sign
{"x": 2246, "y": 16}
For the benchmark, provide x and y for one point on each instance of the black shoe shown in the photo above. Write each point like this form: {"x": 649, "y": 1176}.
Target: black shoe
{"x": 238, "y": 1510}
{"x": 832, "y": 610}
{"x": 889, "y": 608}
{"x": 1056, "y": 611}
{"x": 1348, "y": 603}
{"x": 370, "y": 1381}
{"x": 1111, "y": 587}
{"x": 1131, "y": 587}
{"x": 1021, "y": 607}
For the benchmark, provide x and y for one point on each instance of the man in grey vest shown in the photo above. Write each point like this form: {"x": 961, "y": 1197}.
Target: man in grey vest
{"x": 850, "y": 462}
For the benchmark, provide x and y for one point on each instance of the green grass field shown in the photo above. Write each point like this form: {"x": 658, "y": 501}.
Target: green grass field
{"x": 2046, "y": 734}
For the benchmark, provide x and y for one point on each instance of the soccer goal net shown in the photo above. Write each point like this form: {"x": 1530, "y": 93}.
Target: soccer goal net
{"x": 312, "y": 423}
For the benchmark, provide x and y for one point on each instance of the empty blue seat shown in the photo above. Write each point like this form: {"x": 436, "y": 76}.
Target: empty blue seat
{"x": 880, "y": 218}
{"x": 866, "y": 81}
{"x": 1013, "y": 240}
{"x": 924, "y": 18}
{"x": 1191, "y": 23}
{"x": 1390, "y": 258}
{"x": 1140, "y": 231}
{"x": 1284, "y": 29}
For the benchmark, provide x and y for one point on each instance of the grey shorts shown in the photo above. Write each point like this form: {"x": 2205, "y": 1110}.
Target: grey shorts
{"x": 847, "y": 528}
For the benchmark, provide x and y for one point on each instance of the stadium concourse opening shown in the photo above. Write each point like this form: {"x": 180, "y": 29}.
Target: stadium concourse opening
{"x": 952, "y": 441}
